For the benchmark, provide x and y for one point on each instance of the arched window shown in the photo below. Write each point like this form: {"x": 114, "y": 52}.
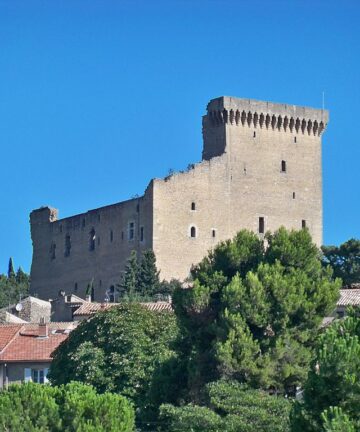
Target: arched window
{"x": 193, "y": 232}
{"x": 92, "y": 238}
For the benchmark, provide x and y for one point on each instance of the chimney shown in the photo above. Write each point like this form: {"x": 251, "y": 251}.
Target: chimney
{"x": 43, "y": 328}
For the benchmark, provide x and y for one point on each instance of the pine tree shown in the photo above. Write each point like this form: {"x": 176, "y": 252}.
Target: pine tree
{"x": 148, "y": 275}
{"x": 128, "y": 286}
{"x": 11, "y": 271}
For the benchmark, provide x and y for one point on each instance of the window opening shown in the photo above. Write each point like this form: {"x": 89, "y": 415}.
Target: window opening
{"x": 83, "y": 223}
{"x": 142, "y": 234}
{"x": 193, "y": 206}
{"x": 293, "y": 195}
{"x": 75, "y": 287}
{"x": 131, "y": 230}
{"x": 53, "y": 251}
{"x": 137, "y": 208}
{"x": 92, "y": 238}
{"x": 67, "y": 245}
{"x": 213, "y": 233}
{"x": 303, "y": 223}
{"x": 254, "y": 134}
{"x": 294, "y": 139}
{"x": 112, "y": 294}
{"x": 261, "y": 225}
{"x": 193, "y": 232}
{"x": 283, "y": 166}
{"x": 122, "y": 235}
{"x": 92, "y": 295}
{"x": 37, "y": 376}
{"x": 111, "y": 236}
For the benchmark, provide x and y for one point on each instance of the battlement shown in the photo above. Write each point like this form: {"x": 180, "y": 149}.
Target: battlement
{"x": 252, "y": 113}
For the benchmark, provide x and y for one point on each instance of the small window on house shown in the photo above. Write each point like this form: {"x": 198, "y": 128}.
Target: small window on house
{"x": 303, "y": 223}
{"x": 53, "y": 251}
{"x": 111, "y": 236}
{"x": 340, "y": 314}
{"x": 213, "y": 233}
{"x": 142, "y": 234}
{"x": 261, "y": 225}
{"x": 112, "y": 294}
{"x": 131, "y": 230}
{"x": 67, "y": 245}
{"x": 92, "y": 238}
{"x": 254, "y": 134}
{"x": 293, "y": 195}
{"x": 193, "y": 206}
{"x": 75, "y": 287}
{"x": 294, "y": 139}
{"x": 38, "y": 376}
{"x": 283, "y": 166}
{"x": 193, "y": 232}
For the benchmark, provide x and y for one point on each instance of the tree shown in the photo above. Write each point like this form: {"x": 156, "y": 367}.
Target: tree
{"x": 148, "y": 282}
{"x": 13, "y": 287}
{"x": 11, "y": 271}
{"x": 253, "y": 313}
{"x": 128, "y": 286}
{"x": 71, "y": 408}
{"x": 332, "y": 391}
{"x": 117, "y": 350}
{"x": 229, "y": 406}
{"x": 345, "y": 260}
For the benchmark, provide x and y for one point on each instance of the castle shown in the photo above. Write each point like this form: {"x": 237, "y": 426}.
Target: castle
{"x": 260, "y": 169}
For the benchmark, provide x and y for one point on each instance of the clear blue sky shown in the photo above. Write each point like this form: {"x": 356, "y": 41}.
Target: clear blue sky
{"x": 99, "y": 96}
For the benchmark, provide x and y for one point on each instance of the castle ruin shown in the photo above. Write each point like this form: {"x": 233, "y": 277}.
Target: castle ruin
{"x": 260, "y": 169}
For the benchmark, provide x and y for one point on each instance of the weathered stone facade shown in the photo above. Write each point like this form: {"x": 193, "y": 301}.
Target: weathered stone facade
{"x": 261, "y": 169}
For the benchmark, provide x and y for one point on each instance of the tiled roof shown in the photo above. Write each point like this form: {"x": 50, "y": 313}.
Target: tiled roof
{"x": 22, "y": 343}
{"x": 88, "y": 308}
{"x": 349, "y": 297}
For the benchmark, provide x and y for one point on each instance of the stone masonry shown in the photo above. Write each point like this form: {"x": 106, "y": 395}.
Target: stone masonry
{"x": 260, "y": 169}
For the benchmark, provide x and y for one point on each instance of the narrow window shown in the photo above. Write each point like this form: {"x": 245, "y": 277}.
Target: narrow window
{"x": 122, "y": 235}
{"x": 193, "y": 206}
{"x": 137, "y": 208}
{"x": 193, "y": 232}
{"x": 142, "y": 234}
{"x": 254, "y": 134}
{"x": 112, "y": 294}
{"x": 92, "y": 296}
{"x": 283, "y": 166}
{"x": 261, "y": 225}
{"x": 293, "y": 195}
{"x": 67, "y": 245}
{"x": 303, "y": 223}
{"x": 295, "y": 140}
{"x": 75, "y": 287}
{"x": 131, "y": 230}
{"x": 111, "y": 236}
{"x": 83, "y": 223}
{"x": 53, "y": 251}
{"x": 213, "y": 233}
{"x": 92, "y": 238}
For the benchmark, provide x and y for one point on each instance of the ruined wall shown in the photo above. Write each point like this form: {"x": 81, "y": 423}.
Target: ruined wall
{"x": 68, "y": 253}
{"x": 269, "y": 167}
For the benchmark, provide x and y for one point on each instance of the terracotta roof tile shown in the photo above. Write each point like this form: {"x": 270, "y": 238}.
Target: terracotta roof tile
{"x": 349, "y": 297}
{"x": 7, "y": 332}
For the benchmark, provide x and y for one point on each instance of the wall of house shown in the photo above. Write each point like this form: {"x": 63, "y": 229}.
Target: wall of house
{"x": 15, "y": 372}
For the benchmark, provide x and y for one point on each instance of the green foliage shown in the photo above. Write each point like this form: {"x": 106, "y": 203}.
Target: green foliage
{"x": 332, "y": 391}
{"x": 117, "y": 350}
{"x": 345, "y": 260}
{"x": 13, "y": 286}
{"x": 253, "y": 313}
{"x": 229, "y": 407}
{"x": 128, "y": 286}
{"x": 71, "y": 408}
{"x": 148, "y": 276}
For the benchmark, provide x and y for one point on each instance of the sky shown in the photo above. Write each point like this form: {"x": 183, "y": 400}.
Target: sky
{"x": 99, "y": 96}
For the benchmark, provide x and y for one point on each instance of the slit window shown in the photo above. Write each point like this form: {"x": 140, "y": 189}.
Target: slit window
{"x": 303, "y": 223}
{"x": 261, "y": 225}
{"x": 112, "y": 294}
{"x": 295, "y": 140}
{"x": 111, "y": 236}
{"x": 193, "y": 232}
{"x": 75, "y": 287}
{"x": 92, "y": 238}
{"x": 142, "y": 234}
{"x": 213, "y": 233}
{"x": 122, "y": 235}
{"x": 67, "y": 245}
{"x": 131, "y": 230}
{"x": 193, "y": 206}
{"x": 293, "y": 195}
{"x": 53, "y": 251}
{"x": 283, "y": 166}
{"x": 254, "y": 135}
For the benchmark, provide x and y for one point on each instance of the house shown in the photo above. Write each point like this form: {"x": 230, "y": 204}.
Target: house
{"x": 30, "y": 309}
{"x": 26, "y": 350}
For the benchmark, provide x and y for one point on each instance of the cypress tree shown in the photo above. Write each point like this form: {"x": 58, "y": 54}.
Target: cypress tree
{"x": 129, "y": 281}
{"x": 148, "y": 275}
{"x": 11, "y": 271}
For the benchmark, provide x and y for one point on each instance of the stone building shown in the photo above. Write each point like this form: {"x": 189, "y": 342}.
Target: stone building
{"x": 260, "y": 169}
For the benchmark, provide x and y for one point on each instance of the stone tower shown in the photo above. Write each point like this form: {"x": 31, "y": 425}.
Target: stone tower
{"x": 261, "y": 169}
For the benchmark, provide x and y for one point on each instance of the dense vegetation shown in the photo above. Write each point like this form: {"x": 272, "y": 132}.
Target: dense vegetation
{"x": 345, "y": 261}
{"x": 13, "y": 285}
{"x": 74, "y": 407}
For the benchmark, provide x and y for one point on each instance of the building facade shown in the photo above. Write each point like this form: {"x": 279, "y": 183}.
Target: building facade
{"x": 260, "y": 169}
